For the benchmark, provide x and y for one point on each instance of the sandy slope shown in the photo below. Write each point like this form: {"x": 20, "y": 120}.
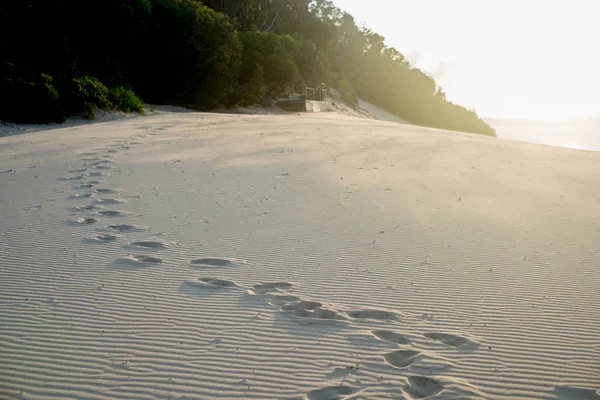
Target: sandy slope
{"x": 205, "y": 256}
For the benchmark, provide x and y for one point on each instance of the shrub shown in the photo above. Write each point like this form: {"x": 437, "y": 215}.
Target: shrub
{"x": 193, "y": 55}
{"x": 252, "y": 92}
{"x": 275, "y": 53}
{"x": 86, "y": 94}
{"x": 30, "y": 101}
{"x": 125, "y": 100}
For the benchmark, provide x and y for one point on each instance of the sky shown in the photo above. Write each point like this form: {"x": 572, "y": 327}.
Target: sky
{"x": 532, "y": 59}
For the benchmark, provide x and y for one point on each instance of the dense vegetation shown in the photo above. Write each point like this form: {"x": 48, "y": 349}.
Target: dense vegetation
{"x": 78, "y": 56}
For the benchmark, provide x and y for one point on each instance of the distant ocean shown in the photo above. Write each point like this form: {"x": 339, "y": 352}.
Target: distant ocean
{"x": 576, "y": 134}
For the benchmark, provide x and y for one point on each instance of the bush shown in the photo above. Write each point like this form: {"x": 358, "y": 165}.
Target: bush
{"x": 86, "y": 94}
{"x": 30, "y": 101}
{"x": 193, "y": 56}
{"x": 125, "y": 100}
{"x": 275, "y": 53}
{"x": 252, "y": 92}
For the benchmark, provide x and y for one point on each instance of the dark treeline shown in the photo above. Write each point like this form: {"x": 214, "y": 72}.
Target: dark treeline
{"x": 62, "y": 57}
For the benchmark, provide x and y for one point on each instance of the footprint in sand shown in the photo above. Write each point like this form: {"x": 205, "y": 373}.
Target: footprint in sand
{"x": 139, "y": 260}
{"x": 105, "y": 238}
{"x": 331, "y": 393}
{"x": 319, "y": 314}
{"x": 83, "y": 221}
{"x": 449, "y": 340}
{"x": 81, "y": 196}
{"x": 390, "y": 336}
{"x": 96, "y": 174}
{"x": 111, "y": 201}
{"x": 102, "y": 166}
{"x": 74, "y": 171}
{"x": 372, "y": 314}
{"x": 106, "y": 190}
{"x": 128, "y": 228}
{"x": 574, "y": 393}
{"x": 94, "y": 182}
{"x": 215, "y": 283}
{"x": 84, "y": 186}
{"x": 422, "y": 387}
{"x": 115, "y": 213}
{"x": 282, "y": 299}
{"x": 263, "y": 288}
{"x": 214, "y": 262}
{"x": 301, "y": 305}
{"x": 402, "y": 358}
{"x": 70, "y": 178}
{"x": 87, "y": 207}
{"x": 149, "y": 245}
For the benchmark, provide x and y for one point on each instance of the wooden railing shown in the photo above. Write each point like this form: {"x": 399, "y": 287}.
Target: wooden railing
{"x": 317, "y": 94}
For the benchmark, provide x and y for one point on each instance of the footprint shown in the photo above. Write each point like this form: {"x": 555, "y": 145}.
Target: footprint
{"x": 85, "y": 186}
{"x": 104, "y": 190}
{"x": 213, "y": 283}
{"x": 149, "y": 245}
{"x": 94, "y": 182}
{"x": 115, "y": 213}
{"x": 102, "y": 166}
{"x": 86, "y": 207}
{"x": 105, "y": 238}
{"x": 262, "y": 288}
{"x": 213, "y": 262}
{"x": 111, "y": 201}
{"x": 140, "y": 259}
{"x": 280, "y": 299}
{"x": 422, "y": 387}
{"x": 97, "y": 174}
{"x": 574, "y": 393}
{"x": 331, "y": 393}
{"x": 448, "y": 339}
{"x": 301, "y": 306}
{"x": 83, "y": 221}
{"x": 74, "y": 171}
{"x": 128, "y": 228}
{"x": 81, "y": 196}
{"x": 319, "y": 314}
{"x": 390, "y": 336}
{"x": 70, "y": 178}
{"x": 402, "y": 358}
{"x": 372, "y": 314}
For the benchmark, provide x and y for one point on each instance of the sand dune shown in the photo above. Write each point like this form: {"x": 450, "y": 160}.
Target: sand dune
{"x": 208, "y": 256}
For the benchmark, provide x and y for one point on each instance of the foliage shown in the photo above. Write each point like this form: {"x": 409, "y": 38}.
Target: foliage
{"x": 206, "y": 54}
{"x": 193, "y": 55}
{"x": 125, "y": 100}
{"x": 252, "y": 92}
{"x": 87, "y": 94}
{"x": 30, "y": 101}
{"x": 274, "y": 54}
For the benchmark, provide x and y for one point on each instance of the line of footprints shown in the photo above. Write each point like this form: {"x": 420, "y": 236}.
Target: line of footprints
{"x": 97, "y": 166}
{"x": 305, "y": 311}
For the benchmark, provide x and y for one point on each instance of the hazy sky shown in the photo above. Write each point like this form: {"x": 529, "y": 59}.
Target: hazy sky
{"x": 505, "y": 58}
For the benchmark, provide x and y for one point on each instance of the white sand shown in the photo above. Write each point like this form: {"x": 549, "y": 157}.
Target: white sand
{"x": 296, "y": 256}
